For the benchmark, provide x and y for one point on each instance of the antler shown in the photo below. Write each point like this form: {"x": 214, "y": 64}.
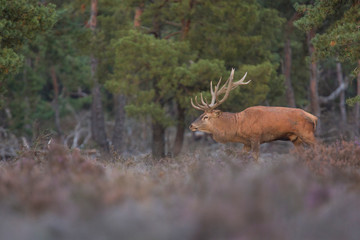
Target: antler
{"x": 216, "y": 92}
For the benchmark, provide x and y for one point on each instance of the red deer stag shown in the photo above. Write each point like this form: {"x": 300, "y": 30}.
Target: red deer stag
{"x": 254, "y": 125}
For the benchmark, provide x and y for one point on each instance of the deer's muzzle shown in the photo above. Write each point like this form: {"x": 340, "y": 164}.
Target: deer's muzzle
{"x": 193, "y": 128}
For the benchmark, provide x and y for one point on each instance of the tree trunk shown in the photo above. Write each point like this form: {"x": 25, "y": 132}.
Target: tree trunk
{"x": 138, "y": 12}
{"x": 180, "y": 127}
{"x": 27, "y": 108}
{"x": 180, "y": 130}
{"x": 97, "y": 115}
{"x": 314, "y": 95}
{"x": 93, "y": 15}
{"x": 357, "y": 105}
{"x": 290, "y": 97}
{"x": 118, "y": 133}
{"x": 342, "y": 94}
{"x": 97, "y": 119}
{"x": 186, "y": 21}
{"x": 156, "y": 25}
{"x": 55, "y": 103}
{"x": 158, "y": 141}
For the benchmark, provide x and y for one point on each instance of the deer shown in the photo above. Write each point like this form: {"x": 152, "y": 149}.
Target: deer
{"x": 254, "y": 125}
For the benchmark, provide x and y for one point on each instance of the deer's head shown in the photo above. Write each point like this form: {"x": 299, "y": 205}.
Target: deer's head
{"x": 206, "y": 120}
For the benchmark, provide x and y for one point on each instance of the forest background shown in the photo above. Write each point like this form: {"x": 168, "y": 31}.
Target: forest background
{"x": 118, "y": 75}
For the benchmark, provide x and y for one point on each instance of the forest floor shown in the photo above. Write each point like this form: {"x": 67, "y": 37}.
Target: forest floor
{"x": 209, "y": 192}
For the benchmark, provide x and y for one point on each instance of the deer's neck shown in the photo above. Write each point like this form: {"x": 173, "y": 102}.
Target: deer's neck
{"x": 226, "y": 127}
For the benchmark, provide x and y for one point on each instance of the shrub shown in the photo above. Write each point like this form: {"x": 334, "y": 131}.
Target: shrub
{"x": 341, "y": 155}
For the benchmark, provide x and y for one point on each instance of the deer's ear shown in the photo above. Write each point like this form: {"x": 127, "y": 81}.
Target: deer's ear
{"x": 217, "y": 113}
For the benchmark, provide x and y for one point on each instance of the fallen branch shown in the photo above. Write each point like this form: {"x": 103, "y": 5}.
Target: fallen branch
{"x": 336, "y": 93}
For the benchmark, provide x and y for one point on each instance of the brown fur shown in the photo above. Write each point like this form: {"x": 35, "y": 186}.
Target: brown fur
{"x": 257, "y": 125}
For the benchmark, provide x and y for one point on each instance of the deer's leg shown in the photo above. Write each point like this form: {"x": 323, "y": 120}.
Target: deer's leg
{"x": 298, "y": 143}
{"x": 308, "y": 139}
{"x": 255, "y": 149}
{"x": 246, "y": 148}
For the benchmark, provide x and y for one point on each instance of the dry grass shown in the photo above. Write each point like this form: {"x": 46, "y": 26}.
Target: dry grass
{"x": 201, "y": 195}
{"x": 341, "y": 155}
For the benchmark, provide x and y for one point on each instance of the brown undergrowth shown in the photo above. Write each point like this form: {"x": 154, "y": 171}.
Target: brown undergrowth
{"x": 217, "y": 194}
{"x": 341, "y": 157}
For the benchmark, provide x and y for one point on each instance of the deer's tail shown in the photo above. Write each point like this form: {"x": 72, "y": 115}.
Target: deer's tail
{"x": 311, "y": 118}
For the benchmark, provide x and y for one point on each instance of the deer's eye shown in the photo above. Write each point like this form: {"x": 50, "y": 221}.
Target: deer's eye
{"x": 205, "y": 118}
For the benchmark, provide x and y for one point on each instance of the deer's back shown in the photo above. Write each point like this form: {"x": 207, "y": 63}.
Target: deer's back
{"x": 271, "y": 123}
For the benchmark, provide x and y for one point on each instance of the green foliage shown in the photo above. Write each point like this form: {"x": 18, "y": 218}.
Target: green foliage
{"x": 144, "y": 109}
{"x": 299, "y": 67}
{"x": 239, "y": 32}
{"x": 20, "y": 20}
{"x": 9, "y": 61}
{"x": 144, "y": 71}
{"x": 180, "y": 47}
{"x": 61, "y": 49}
{"x": 285, "y": 8}
{"x": 156, "y": 72}
{"x": 315, "y": 15}
{"x": 80, "y": 103}
{"x": 340, "y": 35}
{"x": 352, "y": 101}
{"x": 114, "y": 19}
{"x": 242, "y": 34}
{"x": 253, "y": 93}
{"x": 342, "y": 40}
{"x": 195, "y": 77}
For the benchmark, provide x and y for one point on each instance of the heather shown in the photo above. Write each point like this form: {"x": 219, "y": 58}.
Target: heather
{"x": 211, "y": 193}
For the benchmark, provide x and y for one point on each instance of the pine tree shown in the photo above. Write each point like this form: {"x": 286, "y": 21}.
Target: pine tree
{"x": 338, "y": 36}
{"x": 55, "y": 75}
{"x": 144, "y": 70}
{"x": 20, "y": 21}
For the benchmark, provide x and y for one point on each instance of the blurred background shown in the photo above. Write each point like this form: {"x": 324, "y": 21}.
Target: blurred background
{"x": 119, "y": 75}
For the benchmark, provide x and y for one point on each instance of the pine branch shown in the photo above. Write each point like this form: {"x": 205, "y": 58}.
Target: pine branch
{"x": 172, "y": 34}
